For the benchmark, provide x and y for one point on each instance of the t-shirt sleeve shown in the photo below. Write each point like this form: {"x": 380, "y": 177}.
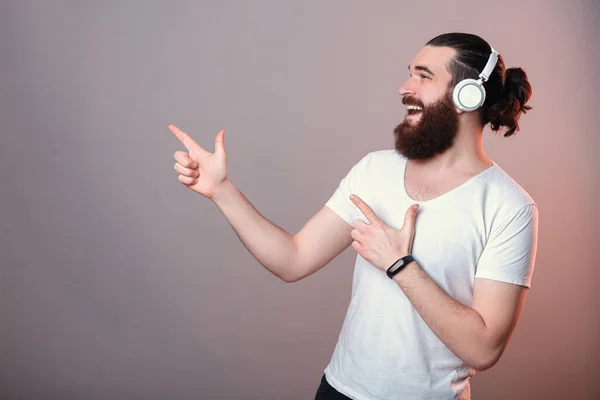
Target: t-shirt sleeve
{"x": 340, "y": 202}
{"x": 509, "y": 255}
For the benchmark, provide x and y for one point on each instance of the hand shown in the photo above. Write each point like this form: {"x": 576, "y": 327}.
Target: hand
{"x": 200, "y": 170}
{"x": 378, "y": 243}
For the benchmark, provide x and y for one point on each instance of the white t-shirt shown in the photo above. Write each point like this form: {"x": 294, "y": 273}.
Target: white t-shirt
{"x": 484, "y": 228}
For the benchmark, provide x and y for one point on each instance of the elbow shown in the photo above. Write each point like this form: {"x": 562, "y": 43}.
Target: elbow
{"x": 292, "y": 274}
{"x": 288, "y": 277}
{"x": 487, "y": 359}
{"x": 291, "y": 278}
{"x": 482, "y": 365}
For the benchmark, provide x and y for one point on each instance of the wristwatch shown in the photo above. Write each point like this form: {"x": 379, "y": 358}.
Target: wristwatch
{"x": 399, "y": 265}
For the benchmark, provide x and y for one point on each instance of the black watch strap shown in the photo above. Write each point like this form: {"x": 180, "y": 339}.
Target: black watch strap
{"x": 399, "y": 265}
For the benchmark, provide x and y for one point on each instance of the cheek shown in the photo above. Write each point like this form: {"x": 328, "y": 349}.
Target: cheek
{"x": 434, "y": 95}
{"x": 428, "y": 97}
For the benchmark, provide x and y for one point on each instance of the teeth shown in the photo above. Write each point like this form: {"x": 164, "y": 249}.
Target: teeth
{"x": 414, "y": 108}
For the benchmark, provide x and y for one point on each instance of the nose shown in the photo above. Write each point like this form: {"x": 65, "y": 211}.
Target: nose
{"x": 407, "y": 88}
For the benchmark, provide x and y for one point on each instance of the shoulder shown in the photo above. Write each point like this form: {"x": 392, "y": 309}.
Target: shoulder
{"x": 378, "y": 165}
{"x": 382, "y": 158}
{"x": 504, "y": 198}
{"x": 507, "y": 189}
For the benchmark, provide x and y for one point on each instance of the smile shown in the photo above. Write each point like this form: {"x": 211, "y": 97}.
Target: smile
{"x": 412, "y": 110}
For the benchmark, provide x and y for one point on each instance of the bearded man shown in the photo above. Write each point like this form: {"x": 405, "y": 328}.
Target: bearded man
{"x": 445, "y": 239}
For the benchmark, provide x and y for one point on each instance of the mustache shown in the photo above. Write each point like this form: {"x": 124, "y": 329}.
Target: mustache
{"x": 412, "y": 101}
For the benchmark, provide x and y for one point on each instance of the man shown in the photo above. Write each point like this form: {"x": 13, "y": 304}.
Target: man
{"x": 434, "y": 298}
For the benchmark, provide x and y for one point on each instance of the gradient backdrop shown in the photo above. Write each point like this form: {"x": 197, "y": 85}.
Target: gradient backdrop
{"x": 117, "y": 282}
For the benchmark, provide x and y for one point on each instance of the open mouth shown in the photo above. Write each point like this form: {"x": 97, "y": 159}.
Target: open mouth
{"x": 413, "y": 110}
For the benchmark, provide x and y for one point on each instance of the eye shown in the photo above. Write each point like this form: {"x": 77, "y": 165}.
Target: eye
{"x": 424, "y": 76}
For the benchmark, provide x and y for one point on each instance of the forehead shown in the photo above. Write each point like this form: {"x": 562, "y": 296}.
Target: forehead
{"x": 436, "y": 59}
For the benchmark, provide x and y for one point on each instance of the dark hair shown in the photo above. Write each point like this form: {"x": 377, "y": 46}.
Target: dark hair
{"x": 507, "y": 90}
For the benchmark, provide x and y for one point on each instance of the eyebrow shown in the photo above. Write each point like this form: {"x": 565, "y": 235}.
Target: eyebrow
{"x": 422, "y": 68}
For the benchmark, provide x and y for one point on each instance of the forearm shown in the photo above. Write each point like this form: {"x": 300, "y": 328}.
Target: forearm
{"x": 460, "y": 328}
{"x": 272, "y": 246}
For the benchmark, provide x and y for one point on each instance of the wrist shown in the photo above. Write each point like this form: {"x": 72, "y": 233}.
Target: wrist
{"x": 407, "y": 272}
{"x": 222, "y": 192}
{"x": 399, "y": 264}
{"x": 393, "y": 258}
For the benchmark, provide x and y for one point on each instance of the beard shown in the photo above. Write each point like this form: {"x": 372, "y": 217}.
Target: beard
{"x": 433, "y": 134}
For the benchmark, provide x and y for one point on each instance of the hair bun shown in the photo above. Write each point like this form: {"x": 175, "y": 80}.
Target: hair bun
{"x": 516, "y": 85}
{"x": 516, "y": 91}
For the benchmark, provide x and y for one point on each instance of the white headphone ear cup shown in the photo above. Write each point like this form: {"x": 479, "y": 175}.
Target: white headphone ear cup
{"x": 468, "y": 95}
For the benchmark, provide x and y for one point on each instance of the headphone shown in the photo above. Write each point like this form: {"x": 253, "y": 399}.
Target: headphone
{"x": 469, "y": 94}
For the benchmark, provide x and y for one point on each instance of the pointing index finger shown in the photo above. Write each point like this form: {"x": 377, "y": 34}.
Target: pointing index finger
{"x": 365, "y": 209}
{"x": 187, "y": 141}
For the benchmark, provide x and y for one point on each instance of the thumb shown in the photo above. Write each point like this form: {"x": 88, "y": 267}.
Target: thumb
{"x": 220, "y": 143}
{"x": 411, "y": 217}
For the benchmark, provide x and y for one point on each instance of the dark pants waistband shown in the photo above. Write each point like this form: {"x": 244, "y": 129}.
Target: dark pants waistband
{"x": 328, "y": 392}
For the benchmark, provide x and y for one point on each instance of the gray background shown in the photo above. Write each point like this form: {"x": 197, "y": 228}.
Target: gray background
{"x": 117, "y": 282}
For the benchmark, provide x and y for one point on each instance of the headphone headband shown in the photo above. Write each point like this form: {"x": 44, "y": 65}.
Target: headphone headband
{"x": 489, "y": 66}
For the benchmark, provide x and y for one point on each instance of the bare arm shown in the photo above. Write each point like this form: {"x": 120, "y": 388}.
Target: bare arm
{"x": 289, "y": 257}
{"x": 479, "y": 334}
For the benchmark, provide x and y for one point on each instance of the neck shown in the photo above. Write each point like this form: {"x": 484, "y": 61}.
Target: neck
{"x": 465, "y": 156}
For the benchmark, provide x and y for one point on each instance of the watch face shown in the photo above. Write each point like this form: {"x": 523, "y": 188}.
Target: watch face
{"x": 397, "y": 266}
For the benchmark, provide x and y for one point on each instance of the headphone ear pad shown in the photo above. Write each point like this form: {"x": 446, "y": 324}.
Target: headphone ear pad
{"x": 468, "y": 95}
